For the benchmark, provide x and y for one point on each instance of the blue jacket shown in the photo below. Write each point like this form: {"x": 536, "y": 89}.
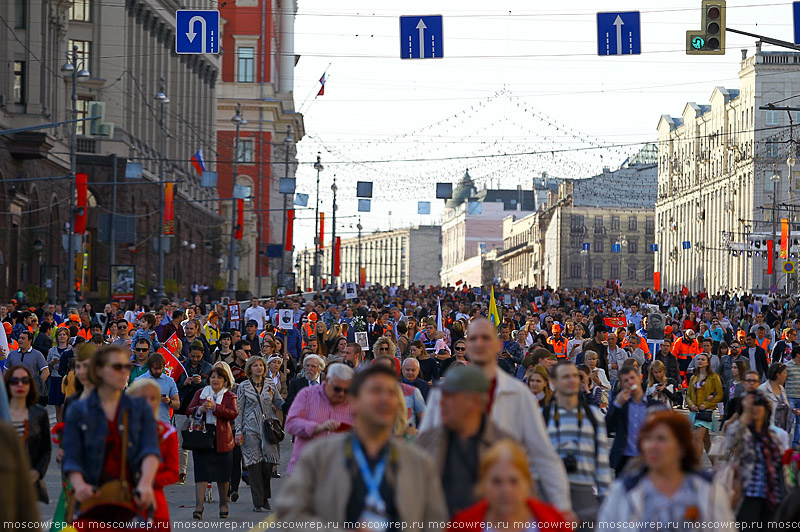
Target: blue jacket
{"x": 85, "y": 432}
{"x": 617, "y": 424}
{"x": 293, "y": 341}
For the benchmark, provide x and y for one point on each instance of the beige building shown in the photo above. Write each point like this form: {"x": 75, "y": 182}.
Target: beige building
{"x": 473, "y": 226}
{"x": 403, "y": 257}
{"x": 716, "y": 181}
{"x": 592, "y": 232}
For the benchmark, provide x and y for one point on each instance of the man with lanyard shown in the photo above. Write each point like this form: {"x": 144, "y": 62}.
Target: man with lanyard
{"x": 141, "y": 352}
{"x": 354, "y": 477}
{"x": 558, "y": 342}
{"x": 578, "y": 434}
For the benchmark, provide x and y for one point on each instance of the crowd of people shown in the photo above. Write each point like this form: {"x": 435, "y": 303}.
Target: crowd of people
{"x": 416, "y": 406}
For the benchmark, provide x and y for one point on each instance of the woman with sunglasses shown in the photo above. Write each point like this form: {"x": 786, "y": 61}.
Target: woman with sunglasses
{"x": 460, "y": 350}
{"x": 95, "y": 428}
{"x": 31, "y": 422}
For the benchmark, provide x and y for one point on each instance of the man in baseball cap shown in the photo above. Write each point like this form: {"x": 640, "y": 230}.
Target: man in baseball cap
{"x": 466, "y": 432}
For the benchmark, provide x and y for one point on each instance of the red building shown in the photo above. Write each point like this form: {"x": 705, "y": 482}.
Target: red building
{"x": 258, "y": 74}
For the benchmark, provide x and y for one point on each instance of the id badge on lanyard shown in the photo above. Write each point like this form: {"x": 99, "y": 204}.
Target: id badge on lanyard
{"x": 374, "y": 515}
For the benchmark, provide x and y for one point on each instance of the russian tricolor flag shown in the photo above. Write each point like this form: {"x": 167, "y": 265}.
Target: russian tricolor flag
{"x": 322, "y": 83}
{"x": 198, "y": 162}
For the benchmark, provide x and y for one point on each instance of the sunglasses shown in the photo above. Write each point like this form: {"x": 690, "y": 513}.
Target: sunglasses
{"x": 119, "y": 366}
{"x": 19, "y": 380}
{"x": 459, "y": 349}
{"x": 384, "y": 348}
{"x": 339, "y": 389}
{"x": 141, "y": 350}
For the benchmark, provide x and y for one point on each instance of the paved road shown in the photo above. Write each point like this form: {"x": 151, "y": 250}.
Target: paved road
{"x": 181, "y": 499}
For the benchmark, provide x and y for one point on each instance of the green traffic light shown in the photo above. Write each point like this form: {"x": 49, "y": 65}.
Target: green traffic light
{"x": 698, "y": 43}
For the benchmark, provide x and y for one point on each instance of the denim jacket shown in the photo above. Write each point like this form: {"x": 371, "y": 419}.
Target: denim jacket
{"x": 85, "y": 432}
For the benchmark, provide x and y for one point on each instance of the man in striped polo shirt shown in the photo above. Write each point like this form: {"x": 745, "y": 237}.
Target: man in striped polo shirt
{"x": 578, "y": 434}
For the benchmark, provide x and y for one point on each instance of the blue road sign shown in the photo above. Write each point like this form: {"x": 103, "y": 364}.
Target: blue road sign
{"x": 653, "y": 247}
{"x": 616, "y": 248}
{"x": 197, "y": 31}
{"x": 796, "y": 17}
{"x": 686, "y": 244}
{"x": 619, "y": 33}
{"x": 585, "y": 246}
{"x": 421, "y": 37}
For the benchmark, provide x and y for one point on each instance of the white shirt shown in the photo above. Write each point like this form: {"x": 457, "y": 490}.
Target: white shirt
{"x": 259, "y": 314}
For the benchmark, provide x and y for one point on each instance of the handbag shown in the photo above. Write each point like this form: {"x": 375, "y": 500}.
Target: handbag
{"x": 198, "y": 436}
{"x": 115, "y": 496}
{"x": 272, "y": 428}
{"x": 704, "y": 415}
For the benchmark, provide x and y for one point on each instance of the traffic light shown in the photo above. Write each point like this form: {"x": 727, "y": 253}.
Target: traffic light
{"x": 710, "y": 40}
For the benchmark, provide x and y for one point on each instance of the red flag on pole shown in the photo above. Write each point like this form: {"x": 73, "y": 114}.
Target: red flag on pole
{"x": 337, "y": 257}
{"x": 321, "y": 230}
{"x": 289, "y": 229}
{"x": 239, "y": 234}
{"x": 784, "y": 254}
{"x": 81, "y": 187}
{"x": 770, "y": 256}
{"x": 169, "y": 209}
{"x": 657, "y": 281}
{"x": 172, "y": 366}
{"x": 684, "y": 290}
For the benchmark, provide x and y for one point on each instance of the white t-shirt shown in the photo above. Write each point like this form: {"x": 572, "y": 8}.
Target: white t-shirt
{"x": 259, "y": 314}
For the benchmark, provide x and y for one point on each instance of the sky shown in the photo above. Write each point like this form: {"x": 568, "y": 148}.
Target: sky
{"x": 520, "y": 91}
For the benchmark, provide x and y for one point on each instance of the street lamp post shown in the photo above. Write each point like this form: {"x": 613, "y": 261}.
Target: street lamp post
{"x": 163, "y": 100}
{"x": 287, "y": 143}
{"x": 775, "y": 178}
{"x": 71, "y": 70}
{"x": 333, "y": 234}
{"x": 319, "y": 168}
{"x": 238, "y": 121}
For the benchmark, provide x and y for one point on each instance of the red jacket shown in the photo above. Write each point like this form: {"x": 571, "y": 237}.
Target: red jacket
{"x": 225, "y": 412}
{"x": 167, "y": 473}
{"x": 472, "y": 517}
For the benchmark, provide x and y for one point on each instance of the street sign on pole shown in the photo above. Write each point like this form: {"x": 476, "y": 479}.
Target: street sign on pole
{"x": 619, "y": 33}
{"x": 796, "y": 18}
{"x": 421, "y": 37}
{"x": 197, "y": 31}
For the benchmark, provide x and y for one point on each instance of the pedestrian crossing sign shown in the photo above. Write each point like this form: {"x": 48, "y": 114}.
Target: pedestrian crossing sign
{"x": 788, "y": 266}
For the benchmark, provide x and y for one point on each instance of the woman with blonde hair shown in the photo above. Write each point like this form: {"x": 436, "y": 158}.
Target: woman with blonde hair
{"x": 538, "y": 382}
{"x": 384, "y": 346}
{"x": 659, "y": 385}
{"x": 505, "y": 486}
{"x": 320, "y": 332}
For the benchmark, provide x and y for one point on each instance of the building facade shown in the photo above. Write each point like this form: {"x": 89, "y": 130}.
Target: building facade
{"x": 403, "y": 257}
{"x": 593, "y": 232}
{"x": 130, "y": 57}
{"x": 258, "y": 74}
{"x": 723, "y": 182}
{"x": 473, "y": 225}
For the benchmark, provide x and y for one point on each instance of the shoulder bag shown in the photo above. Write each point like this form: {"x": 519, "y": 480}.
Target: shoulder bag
{"x": 198, "y": 436}
{"x": 115, "y": 496}
{"x": 272, "y": 428}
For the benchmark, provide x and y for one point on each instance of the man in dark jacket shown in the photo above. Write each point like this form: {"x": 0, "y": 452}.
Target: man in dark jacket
{"x": 670, "y": 361}
{"x": 596, "y": 344}
{"x": 411, "y": 376}
{"x": 312, "y": 367}
{"x": 626, "y": 415}
{"x": 756, "y": 356}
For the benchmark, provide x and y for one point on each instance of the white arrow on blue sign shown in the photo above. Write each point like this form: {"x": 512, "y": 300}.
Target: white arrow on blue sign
{"x": 421, "y": 37}
{"x": 619, "y": 33}
{"x": 197, "y": 31}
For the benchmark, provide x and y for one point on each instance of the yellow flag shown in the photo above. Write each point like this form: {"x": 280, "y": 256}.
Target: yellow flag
{"x": 494, "y": 316}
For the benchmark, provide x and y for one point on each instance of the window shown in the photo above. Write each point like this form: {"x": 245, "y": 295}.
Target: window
{"x": 575, "y": 241}
{"x": 614, "y": 271}
{"x": 246, "y": 60}
{"x": 598, "y": 224}
{"x": 82, "y": 105}
{"x": 773, "y": 118}
{"x": 84, "y": 53}
{"x": 20, "y": 14}
{"x": 632, "y": 272}
{"x": 597, "y": 270}
{"x": 650, "y": 225}
{"x": 245, "y": 151}
{"x": 576, "y": 221}
{"x": 633, "y": 247}
{"x": 615, "y": 223}
{"x": 20, "y": 88}
{"x": 632, "y": 224}
{"x": 575, "y": 270}
{"x": 81, "y": 10}
{"x": 598, "y": 245}
{"x": 772, "y": 149}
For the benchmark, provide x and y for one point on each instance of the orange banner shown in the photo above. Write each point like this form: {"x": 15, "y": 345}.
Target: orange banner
{"x": 321, "y": 230}
{"x": 169, "y": 209}
{"x": 784, "y": 254}
{"x": 657, "y": 281}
